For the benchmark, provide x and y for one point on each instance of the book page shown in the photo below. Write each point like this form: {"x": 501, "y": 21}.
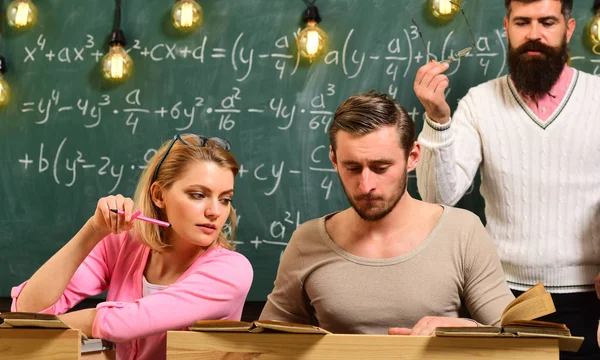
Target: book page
{"x": 536, "y": 290}
{"x": 529, "y": 309}
{"x": 23, "y": 319}
{"x": 28, "y": 316}
{"x": 469, "y": 329}
{"x": 520, "y": 330}
{"x": 220, "y": 325}
{"x": 488, "y": 331}
{"x": 261, "y": 325}
{"x": 539, "y": 323}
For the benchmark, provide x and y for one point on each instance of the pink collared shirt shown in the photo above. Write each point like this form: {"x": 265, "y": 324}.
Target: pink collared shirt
{"x": 546, "y": 105}
{"x": 215, "y": 286}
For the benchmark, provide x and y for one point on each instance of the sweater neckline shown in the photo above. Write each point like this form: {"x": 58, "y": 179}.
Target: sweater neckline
{"x": 380, "y": 261}
{"x": 541, "y": 123}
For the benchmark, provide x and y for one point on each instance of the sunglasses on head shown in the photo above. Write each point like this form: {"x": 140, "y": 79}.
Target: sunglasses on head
{"x": 220, "y": 142}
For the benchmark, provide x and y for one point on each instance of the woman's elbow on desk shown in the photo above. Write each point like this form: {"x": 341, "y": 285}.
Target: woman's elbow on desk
{"x": 82, "y": 320}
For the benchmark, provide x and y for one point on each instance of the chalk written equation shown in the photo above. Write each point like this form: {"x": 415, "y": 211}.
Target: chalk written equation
{"x": 91, "y": 112}
{"x": 74, "y": 164}
{"x": 103, "y": 166}
{"x": 403, "y": 53}
{"x": 66, "y": 166}
{"x": 182, "y": 113}
{"x": 279, "y": 231}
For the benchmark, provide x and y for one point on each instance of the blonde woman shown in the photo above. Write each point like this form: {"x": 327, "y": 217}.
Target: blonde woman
{"x": 158, "y": 278}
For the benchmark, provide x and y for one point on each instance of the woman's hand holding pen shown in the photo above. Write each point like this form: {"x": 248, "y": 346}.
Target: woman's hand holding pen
{"x": 107, "y": 222}
{"x": 47, "y": 285}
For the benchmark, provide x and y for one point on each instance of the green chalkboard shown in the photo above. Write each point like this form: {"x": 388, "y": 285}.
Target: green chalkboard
{"x": 68, "y": 138}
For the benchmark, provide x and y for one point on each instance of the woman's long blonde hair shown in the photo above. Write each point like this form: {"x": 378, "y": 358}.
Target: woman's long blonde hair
{"x": 173, "y": 166}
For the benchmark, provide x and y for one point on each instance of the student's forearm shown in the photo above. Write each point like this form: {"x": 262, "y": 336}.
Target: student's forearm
{"x": 48, "y": 283}
{"x": 82, "y": 320}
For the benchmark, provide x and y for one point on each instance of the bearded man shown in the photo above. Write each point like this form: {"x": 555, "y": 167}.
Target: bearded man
{"x": 534, "y": 135}
{"x": 389, "y": 263}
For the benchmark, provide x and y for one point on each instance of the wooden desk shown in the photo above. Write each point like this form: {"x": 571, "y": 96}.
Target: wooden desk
{"x": 100, "y": 355}
{"x": 245, "y": 346}
{"x": 37, "y": 344}
{"x": 45, "y": 344}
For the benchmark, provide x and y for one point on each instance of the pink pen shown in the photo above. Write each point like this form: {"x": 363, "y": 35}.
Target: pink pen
{"x": 143, "y": 218}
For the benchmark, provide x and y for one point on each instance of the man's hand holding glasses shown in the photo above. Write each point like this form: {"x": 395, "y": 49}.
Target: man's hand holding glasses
{"x": 430, "y": 86}
{"x": 431, "y": 83}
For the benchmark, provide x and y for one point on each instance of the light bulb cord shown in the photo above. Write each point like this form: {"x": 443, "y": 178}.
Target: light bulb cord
{"x": 1, "y": 23}
{"x": 2, "y": 60}
{"x": 596, "y": 5}
{"x": 117, "y": 25}
{"x": 117, "y": 36}
{"x": 311, "y": 13}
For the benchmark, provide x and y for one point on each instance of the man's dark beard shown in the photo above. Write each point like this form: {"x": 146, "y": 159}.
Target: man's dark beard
{"x": 382, "y": 212}
{"x": 534, "y": 76}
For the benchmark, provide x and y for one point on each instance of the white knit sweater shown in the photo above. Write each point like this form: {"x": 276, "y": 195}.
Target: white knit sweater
{"x": 540, "y": 179}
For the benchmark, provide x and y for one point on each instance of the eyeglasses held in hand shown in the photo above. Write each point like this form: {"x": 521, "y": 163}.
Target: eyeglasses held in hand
{"x": 222, "y": 143}
{"x": 462, "y": 53}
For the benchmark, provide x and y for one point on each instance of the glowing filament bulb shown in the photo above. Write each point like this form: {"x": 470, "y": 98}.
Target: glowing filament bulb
{"x": 186, "y": 15}
{"x": 312, "y": 41}
{"x": 444, "y": 9}
{"x": 4, "y": 92}
{"x": 21, "y": 14}
{"x": 117, "y": 65}
{"x": 593, "y": 33}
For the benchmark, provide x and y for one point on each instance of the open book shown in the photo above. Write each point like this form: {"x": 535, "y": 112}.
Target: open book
{"x": 256, "y": 326}
{"x": 518, "y": 320}
{"x": 49, "y": 321}
{"x": 23, "y": 319}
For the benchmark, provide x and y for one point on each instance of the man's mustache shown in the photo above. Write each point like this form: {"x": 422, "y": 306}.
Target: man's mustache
{"x": 368, "y": 197}
{"x": 535, "y": 45}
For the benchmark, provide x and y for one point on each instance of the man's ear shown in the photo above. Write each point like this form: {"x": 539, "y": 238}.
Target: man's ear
{"x": 571, "y": 23}
{"x": 332, "y": 157}
{"x": 413, "y": 156}
{"x": 157, "y": 195}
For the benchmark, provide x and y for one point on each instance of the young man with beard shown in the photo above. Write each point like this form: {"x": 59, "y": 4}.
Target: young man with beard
{"x": 389, "y": 263}
{"x": 533, "y": 134}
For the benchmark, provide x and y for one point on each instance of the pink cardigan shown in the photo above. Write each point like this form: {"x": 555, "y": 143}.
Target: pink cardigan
{"x": 214, "y": 287}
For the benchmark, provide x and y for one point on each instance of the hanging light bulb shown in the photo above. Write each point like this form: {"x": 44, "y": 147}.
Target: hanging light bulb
{"x": 4, "y": 92}
{"x": 593, "y": 30}
{"x": 186, "y": 15}
{"x": 21, "y": 14}
{"x": 4, "y": 88}
{"x": 312, "y": 40}
{"x": 444, "y": 9}
{"x": 117, "y": 65}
